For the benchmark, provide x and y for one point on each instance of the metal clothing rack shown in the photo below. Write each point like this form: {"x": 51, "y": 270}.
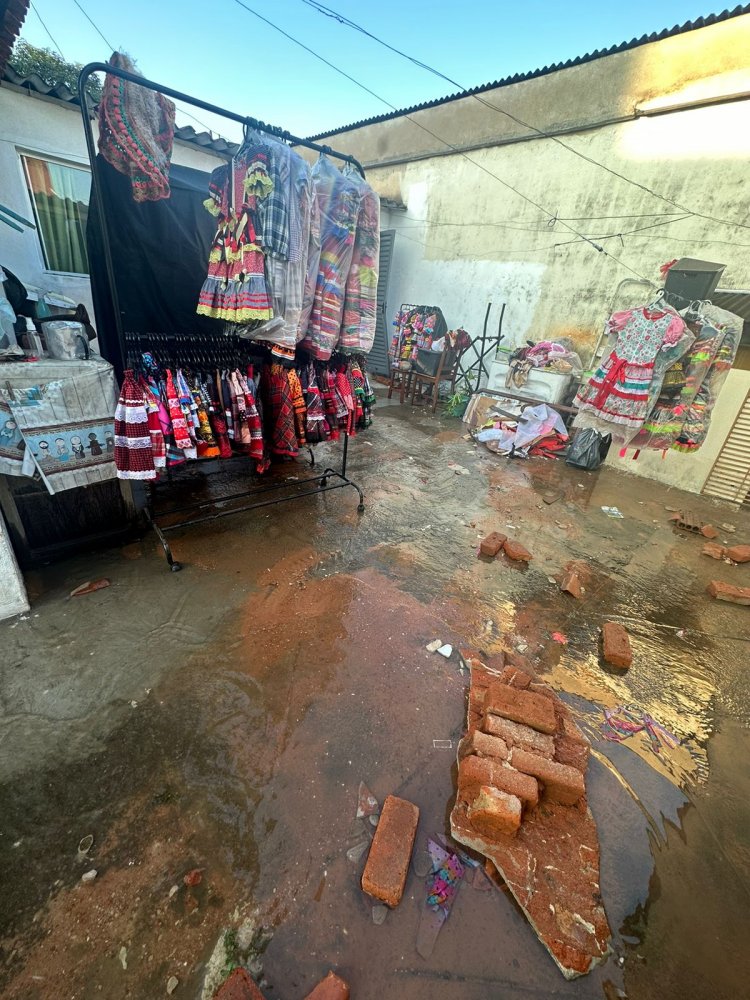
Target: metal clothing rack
{"x": 482, "y": 347}
{"x": 198, "y": 507}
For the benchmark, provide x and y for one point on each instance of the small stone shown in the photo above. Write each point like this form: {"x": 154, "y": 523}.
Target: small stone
{"x": 330, "y": 988}
{"x": 123, "y": 956}
{"x": 616, "y": 645}
{"x": 708, "y": 531}
{"x": 356, "y": 852}
{"x": 446, "y": 650}
{"x": 515, "y": 551}
{"x": 422, "y": 864}
{"x": 571, "y": 584}
{"x": 491, "y": 545}
{"x": 434, "y": 646}
{"x": 89, "y": 876}
{"x": 726, "y": 592}
{"x": 173, "y": 891}
{"x": 739, "y": 553}
{"x": 713, "y": 550}
{"x": 172, "y": 984}
{"x": 379, "y": 913}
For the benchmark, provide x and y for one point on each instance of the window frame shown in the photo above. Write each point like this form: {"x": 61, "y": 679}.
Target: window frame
{"x": 23, "y": 155}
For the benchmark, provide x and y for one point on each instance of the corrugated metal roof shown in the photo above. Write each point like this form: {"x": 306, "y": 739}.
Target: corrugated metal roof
{"x": 678, "y": 29}
{"x": 12, "y": 15}
{"x": 186, "y": 133}
{"x": 734, "y": 302}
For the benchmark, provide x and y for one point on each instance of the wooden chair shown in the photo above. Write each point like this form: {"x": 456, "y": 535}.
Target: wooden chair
{"x": 447, "y": 371}
{"x": 401, "y": 380}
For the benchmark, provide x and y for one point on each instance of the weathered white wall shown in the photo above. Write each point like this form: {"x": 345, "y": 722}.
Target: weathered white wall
{"x": 466, "y": 236}
{"x": 46, "y": 127}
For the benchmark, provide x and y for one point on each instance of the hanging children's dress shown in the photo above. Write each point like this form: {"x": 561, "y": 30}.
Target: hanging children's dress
{"x": 133, "y": 450}
{"x": 619, "y": 395}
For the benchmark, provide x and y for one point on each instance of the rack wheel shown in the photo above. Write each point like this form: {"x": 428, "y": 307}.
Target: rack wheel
{"x": 175, "y": 567}
{"x": 323, "y": 483}
{"x": 361, "y": 508}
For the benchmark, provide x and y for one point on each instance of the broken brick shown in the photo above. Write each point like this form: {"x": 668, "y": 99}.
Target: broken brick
{"x": 515, "y": 734}
{"x": 714, "y": 550}
{"x": 574, "y": 753}
{"x": 90, "y": 587}
{"x": 516, "y": 551}
{"x": 330, "y": 988}
{"x": 562, "y": 783}
{"x": 473, "y": 772}
{"x": 708, "y": 531}
{"x": 571, "y": 584}
{"x": 387, "y": 865}
{"x": 526, "y": 707}
{"x": 726, "y": 592}
{"x": 616, "y": 645}
{"x": 516, "y": 678}
{"x": 239, "y": 986}
{"x": 483, "y": 745}
{"x": 491, "y": 545}
{"x": 495, "y": 812}
{"x": 739, "y": 553}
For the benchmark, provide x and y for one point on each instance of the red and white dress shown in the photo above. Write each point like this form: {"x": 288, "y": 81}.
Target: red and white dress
{"x": 620, "y": 392}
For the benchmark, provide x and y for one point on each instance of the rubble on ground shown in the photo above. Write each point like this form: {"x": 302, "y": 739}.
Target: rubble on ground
{"x": 616, "y": 648}
{"x": 521, "y": 802}
{"x": 727, "y": 592}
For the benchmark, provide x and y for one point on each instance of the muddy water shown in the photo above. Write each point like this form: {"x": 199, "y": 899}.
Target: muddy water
{"x": 221, "y": 719}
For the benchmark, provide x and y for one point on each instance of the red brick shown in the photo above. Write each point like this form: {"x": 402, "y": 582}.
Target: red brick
{"x": 482, "y": 745}
{"x": 726, "y": 592}
{"x": 616, "y": 645}
{"x": 708, "y": 531}
{"x": 516, "y": 678}
{"x": 239, "y": 986}
{"x": 567, "y": 727}
{"x": 574, "y": 753}
{"x": 516, "y": 551}
{"x": 491, "y": 545}
{"x": 714, "y": 550}
{"x": 516, "y": 735}
{"x": 739, "y": 553}
{"x": 527, "y": 707}
{"x": 571, "y": 584}
{"x": 330, "y": 988}
{"x": 494, "y": 813}
{"x": 562, "y": 784}
{"x": 387, "y": 865}
{"x": 473, "y": 772}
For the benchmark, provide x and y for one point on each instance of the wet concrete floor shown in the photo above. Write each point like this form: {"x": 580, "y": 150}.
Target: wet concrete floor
{"x": 222, "y": 718}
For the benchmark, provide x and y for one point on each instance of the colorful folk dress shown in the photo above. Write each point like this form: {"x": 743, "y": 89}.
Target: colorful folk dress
{"x": 621, "y": 391}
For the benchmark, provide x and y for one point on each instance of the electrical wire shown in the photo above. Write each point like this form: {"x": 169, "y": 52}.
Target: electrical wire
{"x": 445, "y": 142}
{"x": 335, "y": 15}
{"x": 96, "y": 28}
{"x": 31, "y": 4}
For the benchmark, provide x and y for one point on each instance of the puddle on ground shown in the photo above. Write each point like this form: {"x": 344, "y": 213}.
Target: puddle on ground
{"x": 222, "y": 719}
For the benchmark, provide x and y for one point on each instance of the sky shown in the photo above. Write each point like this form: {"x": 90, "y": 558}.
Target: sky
{"x": 223, "y": 54}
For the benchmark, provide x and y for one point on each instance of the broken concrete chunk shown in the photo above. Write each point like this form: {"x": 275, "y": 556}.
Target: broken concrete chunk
{"x": 491, "y": 545}
{"x": 526, "y": 707}
{"x": 516, "y": 735}
{"x": 494, "y": 812}
{"x": 616, "y": 645}
{"x": 571, "y": 584}
{"x": 714, "y": 550}
{"x": 516, "y": 551}
{"x": 739, "y": 553}
{"x": 483, "y": 745}
{"x": 330, "y": 988}
{"x": 446, "y": 650}
{"x": 726, "y": 592}
{"x": 473, "y": 772}
{"x": 562, "y": 784}
{"x": 239, "y": 986}
{"x": 434, "y": 646}
{"x": 387, "y": 865}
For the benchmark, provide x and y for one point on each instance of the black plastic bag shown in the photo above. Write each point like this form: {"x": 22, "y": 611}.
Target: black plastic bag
{"x": 589, "y": 449}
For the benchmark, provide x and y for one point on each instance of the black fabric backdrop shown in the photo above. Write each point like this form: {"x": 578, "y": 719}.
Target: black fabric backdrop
{"x": 160, "y": 256}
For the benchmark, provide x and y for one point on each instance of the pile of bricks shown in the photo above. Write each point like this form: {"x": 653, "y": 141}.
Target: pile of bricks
{"x": 497, "y": 542}
{"x": 521, "y": 802}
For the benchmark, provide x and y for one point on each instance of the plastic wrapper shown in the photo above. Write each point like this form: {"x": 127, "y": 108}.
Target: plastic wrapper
{"x": 286, "y": 268}
{"x": 66, "y": 340}
{"x": 338, "y": 201}
{"x": 360, "y": 297}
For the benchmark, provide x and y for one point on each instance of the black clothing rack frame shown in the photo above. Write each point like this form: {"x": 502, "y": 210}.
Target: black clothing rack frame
{"x": 484, "y": 346}
{"x": 198, "y": 507}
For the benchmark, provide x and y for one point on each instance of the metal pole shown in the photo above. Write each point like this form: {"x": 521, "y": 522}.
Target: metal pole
{"x": 177, "y": 95}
